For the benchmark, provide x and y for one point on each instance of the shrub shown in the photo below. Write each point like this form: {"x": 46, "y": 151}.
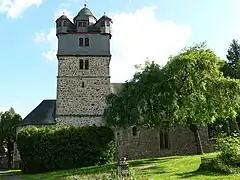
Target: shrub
{"x": 52, "y": 148}
{"x": 229, "y": 148}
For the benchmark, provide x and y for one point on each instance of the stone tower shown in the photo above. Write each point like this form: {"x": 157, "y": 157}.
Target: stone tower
{"x": 83, "y": 79}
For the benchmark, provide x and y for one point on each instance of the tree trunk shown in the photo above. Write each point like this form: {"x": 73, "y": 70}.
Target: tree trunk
{"x": 226, "y": 128}
{"x": 9, "y": 153}
{"x": 195, "y": 131}
{"x": 234, "y": 126}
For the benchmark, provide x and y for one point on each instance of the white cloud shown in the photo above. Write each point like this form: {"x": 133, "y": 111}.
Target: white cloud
{"x": 136, "y": 36}
{"x": 3, "y": 109}
{"x": 14, "y": 8}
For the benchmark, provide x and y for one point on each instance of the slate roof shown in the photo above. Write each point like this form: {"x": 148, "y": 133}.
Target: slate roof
{"x": 43, "y": 114}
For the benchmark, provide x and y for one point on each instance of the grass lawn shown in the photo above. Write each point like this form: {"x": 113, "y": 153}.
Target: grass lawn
{"x": 175, "y": 167}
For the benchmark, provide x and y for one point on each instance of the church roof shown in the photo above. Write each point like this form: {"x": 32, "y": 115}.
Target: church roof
{"x": 43, "y": 114}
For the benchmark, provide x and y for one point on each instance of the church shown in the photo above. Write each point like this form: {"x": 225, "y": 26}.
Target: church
{"x": 83, "y": 82}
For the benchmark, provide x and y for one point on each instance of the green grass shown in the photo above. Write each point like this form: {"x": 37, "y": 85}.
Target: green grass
{"x": 175, "y": 167}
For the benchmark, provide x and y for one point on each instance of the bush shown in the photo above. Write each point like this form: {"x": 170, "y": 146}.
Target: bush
{"x": 216, "y": 165}
{"x": 52, "y": 148}
{"x": 229, "y": 148}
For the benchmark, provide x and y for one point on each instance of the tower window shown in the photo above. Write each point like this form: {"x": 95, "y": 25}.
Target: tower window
{"x": 108, "y": 23}
{"x": 80, "y": 41}
{"x": 134, "y": 131}
{"x": 81, "y": 64}
{"x": 84, "y": 23}
{"x": 164, "y": 140}
{"x": 86, "y": 41}
{"x": 82, "y": 84}
{"x": 102, "y": 23}
{"x": 80, "y": 23}
{"x": 86, "y": 64}
{"x": 64, "y": 23}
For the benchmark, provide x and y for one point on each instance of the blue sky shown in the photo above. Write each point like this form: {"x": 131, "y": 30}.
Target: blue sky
{"x": 141, "y": 29}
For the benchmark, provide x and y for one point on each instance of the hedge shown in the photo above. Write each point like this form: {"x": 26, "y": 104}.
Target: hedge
{"x": 51, "y": 148}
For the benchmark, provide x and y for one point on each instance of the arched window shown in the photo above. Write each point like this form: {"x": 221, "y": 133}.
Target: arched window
{"x": 86, "y": 41}
{"x": 80, "y": 41}
{"x": 164, "y": 140}
{"x": 81, "y": 64}
{"x": 134, "y": 131}
{"x": 64, "y": 23}
{"x": 82, "y": 84}
{"x": 86, "y": 64}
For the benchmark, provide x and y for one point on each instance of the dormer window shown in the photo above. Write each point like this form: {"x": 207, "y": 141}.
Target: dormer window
{"x": 82, "y": 23}
{"x": 86, "y": 41}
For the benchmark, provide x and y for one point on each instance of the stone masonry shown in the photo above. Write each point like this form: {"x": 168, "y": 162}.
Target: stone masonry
{"x": 81, "y": 93}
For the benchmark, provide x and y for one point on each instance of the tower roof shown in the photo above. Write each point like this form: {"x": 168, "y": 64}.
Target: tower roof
{"x": 84, "y": 13}
{"x": 62, "y": 17}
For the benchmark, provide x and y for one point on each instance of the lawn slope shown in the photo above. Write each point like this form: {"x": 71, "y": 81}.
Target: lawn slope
{"x": 174, "y": 167}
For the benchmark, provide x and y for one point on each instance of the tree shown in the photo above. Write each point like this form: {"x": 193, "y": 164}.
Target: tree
{"x": 7, "y": 131}
{"x": 190, "y": 90}
{"x": 231, "y": 69}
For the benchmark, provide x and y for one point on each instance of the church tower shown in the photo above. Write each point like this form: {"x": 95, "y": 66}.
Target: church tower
{"x": 83, "y": 80}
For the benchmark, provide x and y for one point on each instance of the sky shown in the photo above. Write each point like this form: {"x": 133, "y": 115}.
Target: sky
{"x": 153, "y": 29}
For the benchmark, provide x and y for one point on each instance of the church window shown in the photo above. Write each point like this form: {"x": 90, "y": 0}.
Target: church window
{"x": 81, "y": 64}
{"x": 134, "y": 131}
{"x": 86, "y": 64}
{"x": 164, "y": 140}
{"x": 86, "y": 41}
{"x": 80, "y": 41}
{"x": 82, "y": 84}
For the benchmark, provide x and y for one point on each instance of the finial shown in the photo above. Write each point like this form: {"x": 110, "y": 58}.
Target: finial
{"x": 85, "y": 4}
{"x": 104, "y": 13}
{"x": 63, "y": 13}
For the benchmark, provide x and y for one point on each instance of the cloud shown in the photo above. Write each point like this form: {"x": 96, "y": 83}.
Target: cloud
{"x": 49, "y": 37}
{"x": 136, "y": 36}
{"x": 3, "y": 109}
{"x": 14, "y": 8}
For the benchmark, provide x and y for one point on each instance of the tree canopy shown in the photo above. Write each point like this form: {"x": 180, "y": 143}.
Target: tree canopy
{"x": 189, "y": 90}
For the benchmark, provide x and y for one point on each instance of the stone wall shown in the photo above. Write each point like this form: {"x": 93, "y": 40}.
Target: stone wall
{"x": 146, "y": 143}
{"x": 79, "y": 121}
{"x": 81, "y": 93}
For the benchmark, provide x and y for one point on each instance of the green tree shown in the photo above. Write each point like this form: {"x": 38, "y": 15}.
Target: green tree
{"x": 190, "y": 90}
{"x": 7, "y": 131}
{"x": 231, "y": 69}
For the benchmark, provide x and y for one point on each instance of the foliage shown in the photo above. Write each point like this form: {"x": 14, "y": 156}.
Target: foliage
{"x": 189, "y": 90}
{"x": 110, "y": 176}
{"x": 51, "y": 148}
{"x": 8, "y": 120}
{"x": 229, "y": 148}
{"x": 216, "y": 165}
{"x": 232, "y": 66}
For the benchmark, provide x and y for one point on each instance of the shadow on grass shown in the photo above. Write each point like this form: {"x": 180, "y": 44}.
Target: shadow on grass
{"x": 71, "y": 172}
{"x": 198, "y": 173}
